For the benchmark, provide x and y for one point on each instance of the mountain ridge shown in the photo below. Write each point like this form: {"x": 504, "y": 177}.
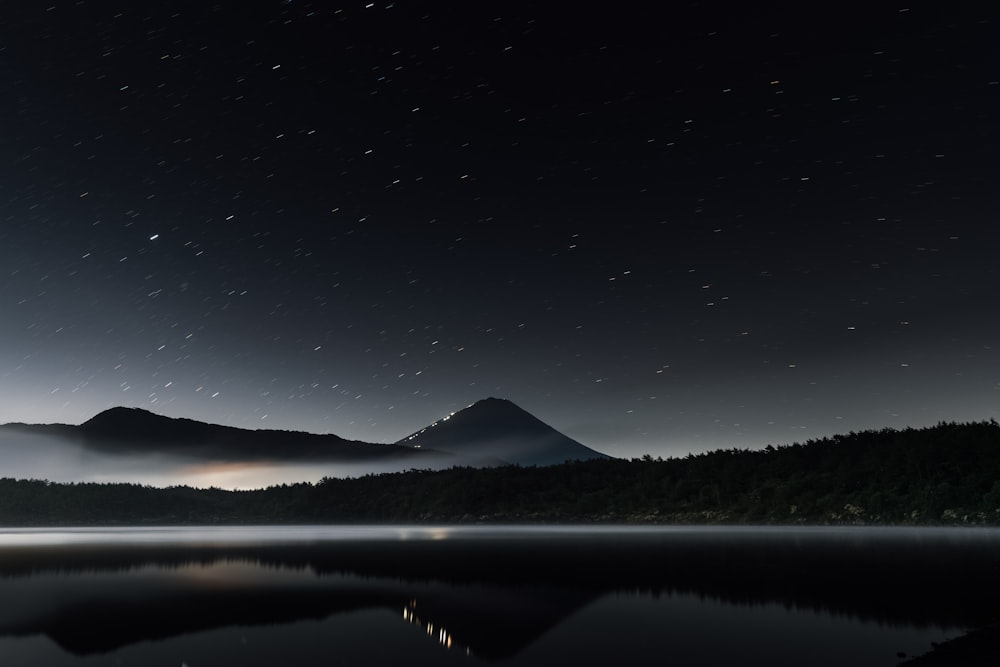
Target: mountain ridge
{"x": 499, "y": 428}
{"x": 122, "y": 432}
{"x": 120, "y": 428}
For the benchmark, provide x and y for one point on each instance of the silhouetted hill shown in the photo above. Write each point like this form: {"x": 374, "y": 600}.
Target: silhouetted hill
{"x": 125, "y": 431}
{"x": 497, "y": 429}
{"x": 133, "y": 444}
{"x": 135, "y": 423}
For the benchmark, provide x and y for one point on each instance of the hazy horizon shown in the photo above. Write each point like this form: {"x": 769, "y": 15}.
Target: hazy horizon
{"x": 35, "y": 455}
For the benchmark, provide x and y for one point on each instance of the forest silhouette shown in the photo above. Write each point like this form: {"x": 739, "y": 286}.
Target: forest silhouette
{"x": 948, "y": 474}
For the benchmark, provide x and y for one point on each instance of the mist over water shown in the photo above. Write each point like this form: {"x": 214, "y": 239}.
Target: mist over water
{"x": 27, "y": 455}
{"x": 729, "y": 537}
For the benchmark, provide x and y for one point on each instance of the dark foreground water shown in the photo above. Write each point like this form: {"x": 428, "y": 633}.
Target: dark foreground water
{"x": 511, "y": 595}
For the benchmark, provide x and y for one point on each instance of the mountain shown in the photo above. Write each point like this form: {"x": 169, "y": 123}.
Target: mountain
{"x": 132, "y": 444}
{"x": 125, "y": 430}
{"x": 496, "y": 429}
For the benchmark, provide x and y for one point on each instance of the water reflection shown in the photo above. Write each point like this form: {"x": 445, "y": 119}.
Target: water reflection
{"x": 499, "y": 594}
{"x": 444, "y": 637}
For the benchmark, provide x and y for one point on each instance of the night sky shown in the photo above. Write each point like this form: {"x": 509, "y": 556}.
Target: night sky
{"x": 663, "y": 231}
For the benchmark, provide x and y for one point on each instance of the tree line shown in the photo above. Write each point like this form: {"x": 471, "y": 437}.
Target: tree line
{"x": 946, "y": 474}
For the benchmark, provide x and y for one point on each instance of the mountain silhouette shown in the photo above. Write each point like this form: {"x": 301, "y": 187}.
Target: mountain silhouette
{"x": 496, "y": 429}
{"x": 123, "y": 430}
{"x": 133, "y": 444}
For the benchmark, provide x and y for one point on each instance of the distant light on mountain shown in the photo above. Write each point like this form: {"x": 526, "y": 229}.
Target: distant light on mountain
{"x": 496, "y": 429}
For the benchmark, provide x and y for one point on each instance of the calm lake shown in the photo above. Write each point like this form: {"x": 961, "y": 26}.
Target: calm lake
{"x": 410, "y": 595}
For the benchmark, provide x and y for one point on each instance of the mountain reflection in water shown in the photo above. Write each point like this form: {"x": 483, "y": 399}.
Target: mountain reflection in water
{"x": 508, "y": 594}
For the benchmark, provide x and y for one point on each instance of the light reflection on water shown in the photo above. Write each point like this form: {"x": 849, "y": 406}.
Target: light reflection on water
{"x": 532, "y": 595}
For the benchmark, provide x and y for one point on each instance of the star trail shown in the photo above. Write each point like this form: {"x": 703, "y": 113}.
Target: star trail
{"x": 659, "y": 229}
